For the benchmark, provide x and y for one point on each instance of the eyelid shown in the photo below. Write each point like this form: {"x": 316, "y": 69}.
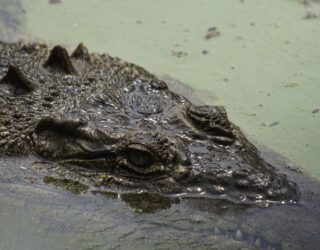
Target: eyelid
{"x": 141, "y": 147}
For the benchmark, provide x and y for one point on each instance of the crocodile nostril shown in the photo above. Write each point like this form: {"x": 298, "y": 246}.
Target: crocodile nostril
{"x": 213, "y": 120}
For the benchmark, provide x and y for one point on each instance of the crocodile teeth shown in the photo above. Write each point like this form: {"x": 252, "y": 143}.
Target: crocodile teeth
{"x": 81, "y": 52}
{"x": 18, "y": 80}
{"x": 60, "y": 60}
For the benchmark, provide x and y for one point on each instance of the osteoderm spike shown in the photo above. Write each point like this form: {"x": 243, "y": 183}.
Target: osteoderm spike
{"x": 18, "y": 80}
{"x": 60, "y": 60}
{"x": 81, "y": 52}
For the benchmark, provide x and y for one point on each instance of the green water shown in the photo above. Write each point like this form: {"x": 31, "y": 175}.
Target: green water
{"x": 264, "y": 66}
{"x": 11, "y": 20}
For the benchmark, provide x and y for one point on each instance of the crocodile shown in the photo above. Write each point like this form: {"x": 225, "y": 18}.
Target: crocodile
{"x": 120, "y": 127}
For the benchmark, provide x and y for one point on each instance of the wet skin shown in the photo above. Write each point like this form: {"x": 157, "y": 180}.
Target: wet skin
{"x": 120, "y": 127}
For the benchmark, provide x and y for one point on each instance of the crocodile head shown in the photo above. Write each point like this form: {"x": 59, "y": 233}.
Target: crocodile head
{"x": 124, "y": 128}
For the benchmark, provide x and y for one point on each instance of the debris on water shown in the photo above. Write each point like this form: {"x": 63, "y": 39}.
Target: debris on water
{"x": 274, "y": 124}
{"x": 308, "y": 2}
{"x": 54, "y": 1}
{"x": 304, "y": 2}
{"x": 310, "y": 15}
{"x": 212, "y": 32}
{"x": 138, "y": 22}
{"x": 317, "y": 110}
{"x": 290, "y": 84}
{"x": 205, "y": 52}
{"x": 179, "y": 53}
{"x": 260, "y": 105}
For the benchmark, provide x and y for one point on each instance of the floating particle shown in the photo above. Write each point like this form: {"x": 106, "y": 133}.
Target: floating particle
{"x": 205, "y": 52}
{"x": 274, "y": 124}
{"x": 54, "y": 1}
{"x": 310, "y": 15}
{"x": 179, "y": 53}
{"x": 212, "y": 32}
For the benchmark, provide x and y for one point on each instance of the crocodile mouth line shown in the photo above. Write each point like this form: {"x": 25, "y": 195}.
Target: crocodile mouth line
{"x": 96, "y": 154}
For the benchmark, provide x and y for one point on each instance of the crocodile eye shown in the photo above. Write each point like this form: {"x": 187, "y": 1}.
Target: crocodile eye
{"x": 140, "y": 158}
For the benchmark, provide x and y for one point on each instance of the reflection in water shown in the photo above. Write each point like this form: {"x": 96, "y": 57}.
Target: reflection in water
{"x": 74, "y": 187}
{"x": 148, "y": 202}
{"x": 33, "y": 210}
{"x": 217, "y": 206}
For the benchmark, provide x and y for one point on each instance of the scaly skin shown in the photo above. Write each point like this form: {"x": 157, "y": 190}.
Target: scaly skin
{"x": 120, "y": 126}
